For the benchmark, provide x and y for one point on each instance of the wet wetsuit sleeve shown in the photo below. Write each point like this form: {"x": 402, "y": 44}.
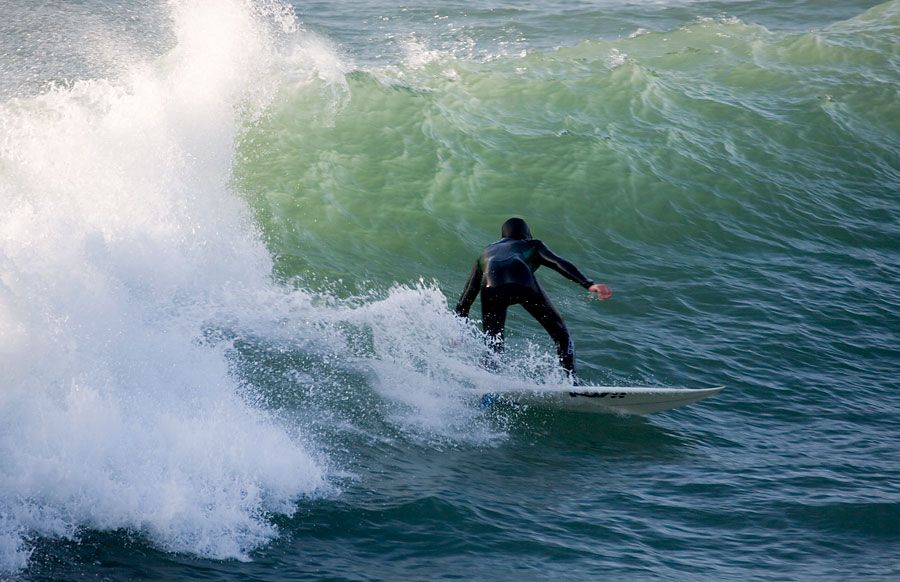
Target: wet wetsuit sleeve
{"x": 470, "y": 292}
{"x": 561, "y": 266}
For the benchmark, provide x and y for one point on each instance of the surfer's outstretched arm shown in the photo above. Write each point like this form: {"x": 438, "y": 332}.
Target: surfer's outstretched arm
{"x": 570, "y": 271}
{"x": 561, "y": 266}
{"x": 470, "y": 292}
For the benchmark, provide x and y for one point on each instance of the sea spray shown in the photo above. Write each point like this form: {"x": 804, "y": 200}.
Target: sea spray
{"x": 120, "y": 243}
{"x": 425, "y": 363}
{"x": 395, "y": 360}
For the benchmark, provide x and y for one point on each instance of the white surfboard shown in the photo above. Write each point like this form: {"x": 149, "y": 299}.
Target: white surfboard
{"x": 601, "y": 399}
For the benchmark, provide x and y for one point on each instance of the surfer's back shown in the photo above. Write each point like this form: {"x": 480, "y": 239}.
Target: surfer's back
{"x": 509, "y": 262}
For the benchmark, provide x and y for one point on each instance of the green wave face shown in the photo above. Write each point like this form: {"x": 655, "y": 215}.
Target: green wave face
{"x": 714, "y": 136}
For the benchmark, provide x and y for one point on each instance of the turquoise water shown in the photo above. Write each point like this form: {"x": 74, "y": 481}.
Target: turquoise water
{"x": 230, "y": 232}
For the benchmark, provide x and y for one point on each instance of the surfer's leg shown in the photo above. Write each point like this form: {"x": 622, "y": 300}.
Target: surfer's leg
{"x": 493, "y": 317}
{"x": 539, "y": 306}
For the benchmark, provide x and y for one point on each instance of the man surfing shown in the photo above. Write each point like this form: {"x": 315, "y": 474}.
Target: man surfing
{"x": 504, "y": 275}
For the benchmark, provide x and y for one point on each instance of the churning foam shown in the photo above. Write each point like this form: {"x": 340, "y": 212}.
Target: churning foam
{"x": 119, "y": 243}
{"x": 428, "y": 363}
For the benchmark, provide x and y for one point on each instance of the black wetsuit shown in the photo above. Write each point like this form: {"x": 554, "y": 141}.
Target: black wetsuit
{"x": 504, "y": 274}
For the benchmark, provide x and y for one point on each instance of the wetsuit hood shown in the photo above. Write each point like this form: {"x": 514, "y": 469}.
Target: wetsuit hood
{"x": 515, "y": 228}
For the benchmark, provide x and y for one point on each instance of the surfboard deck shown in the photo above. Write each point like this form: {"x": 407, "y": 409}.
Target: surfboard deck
{"x": 601, "y": 399}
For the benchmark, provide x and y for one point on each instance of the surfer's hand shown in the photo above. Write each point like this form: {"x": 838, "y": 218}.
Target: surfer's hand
{"x": 601, "y": 291}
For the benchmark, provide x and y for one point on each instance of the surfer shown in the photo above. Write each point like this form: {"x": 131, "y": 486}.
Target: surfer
{"x": 504, "y": 275}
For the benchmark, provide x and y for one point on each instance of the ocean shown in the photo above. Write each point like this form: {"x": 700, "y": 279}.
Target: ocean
{"x": 232, "y": 233}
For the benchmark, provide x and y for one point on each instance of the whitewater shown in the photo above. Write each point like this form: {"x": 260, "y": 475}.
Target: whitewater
{"x": 122, "y": 243}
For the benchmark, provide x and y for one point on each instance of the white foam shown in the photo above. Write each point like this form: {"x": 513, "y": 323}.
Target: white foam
{"x": 120, "y": 242}
{"x": 428, "y": 363}
{"x": 639, "y": 32}
{"x": 418, "y": 54}
{"x": 616, "y": 58}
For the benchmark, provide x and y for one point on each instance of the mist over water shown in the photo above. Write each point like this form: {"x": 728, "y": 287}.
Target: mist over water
{"x": 230, "y": 231}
